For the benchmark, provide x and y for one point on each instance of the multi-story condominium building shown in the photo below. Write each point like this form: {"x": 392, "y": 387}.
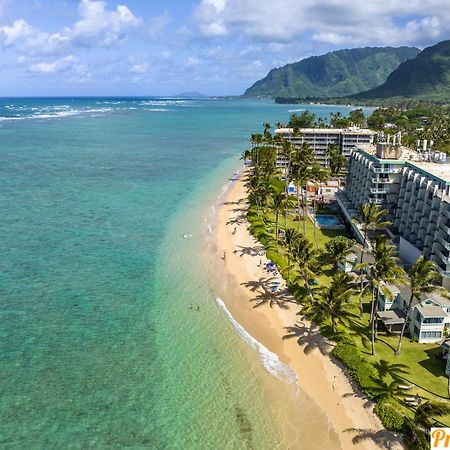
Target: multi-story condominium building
{"x": 429, "y": 319}
{"x": 320, "y": 138}
{"x": 415, "y": 193}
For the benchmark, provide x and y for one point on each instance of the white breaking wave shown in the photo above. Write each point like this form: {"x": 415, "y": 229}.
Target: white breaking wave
{"x": 270, "y": 360}
{"x": 57, "y": 112}
{"x": 156, "y": 109}
{"x": 296, "y": 110}
{"x": 163, "y": 102}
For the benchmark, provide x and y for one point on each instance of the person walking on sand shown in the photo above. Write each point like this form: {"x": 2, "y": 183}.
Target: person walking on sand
{"x": 224, "y": 255}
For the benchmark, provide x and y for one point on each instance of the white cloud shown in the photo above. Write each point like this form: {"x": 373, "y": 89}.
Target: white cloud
{"x": 157, "y": 25}
{"x": 100, "y": 27}
{"x": 58, "y": 65}
{"x": 334, "y": 22}
{"x": 20, "y": 29}
{"x": 166, "y": 54}
{"x": 193, "y": 61}
{"x": 139, "y": 68}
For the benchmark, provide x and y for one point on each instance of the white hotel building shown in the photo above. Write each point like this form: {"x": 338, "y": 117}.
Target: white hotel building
{"x": 416, "y": 194}
{"x": 320, "y": 138}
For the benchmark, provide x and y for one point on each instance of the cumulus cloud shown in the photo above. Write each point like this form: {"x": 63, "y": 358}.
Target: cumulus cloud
{"x": 157, "y": 25}
{"x": 100, "y": 27}
{"x": 58, "y": 65}
{"x": 335, "y": 22}
{"x": 20, "y": 29}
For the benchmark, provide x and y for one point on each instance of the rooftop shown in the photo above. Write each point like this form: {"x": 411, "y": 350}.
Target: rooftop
{"x": 413, "y": 159}
{"x": 432, "y": 311}
{"x": 441, "y": 170}
{"x": 350, "y": 130}
{"x": 392, "y": 316}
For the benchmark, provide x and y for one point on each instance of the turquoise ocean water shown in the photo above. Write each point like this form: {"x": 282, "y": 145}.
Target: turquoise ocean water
{"x": 97, "y": 346}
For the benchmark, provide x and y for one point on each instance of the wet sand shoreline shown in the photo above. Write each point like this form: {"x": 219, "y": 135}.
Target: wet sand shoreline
{"x": 320, "y": 377}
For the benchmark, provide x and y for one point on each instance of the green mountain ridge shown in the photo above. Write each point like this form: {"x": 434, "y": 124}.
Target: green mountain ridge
{"x": 335, "y": 74}
{"x": 426, "y": 77}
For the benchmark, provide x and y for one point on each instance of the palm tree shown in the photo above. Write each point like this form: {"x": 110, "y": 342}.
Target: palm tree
{"x": 371, "y": 218}
{"x": 426, "y": 412}
{"x": 418, "y": 429}
{"x": 338, "y": 248}
{"x": 422, "y": 276}
{"x": 332, "y": 303}
{"x": 277, "y": 200}
{"x": 245, "y": 155}
{"x": 290, "y": 237}
{"x": 287, "y": 151}
{"x": 305, "y": 255}
{"x": 319, "y": 175}
{"x": 385, "y": 269}
{"x": 301, "y": 168}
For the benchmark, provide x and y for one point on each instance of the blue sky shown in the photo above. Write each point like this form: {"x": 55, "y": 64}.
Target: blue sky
{"x": 217, "y": 47}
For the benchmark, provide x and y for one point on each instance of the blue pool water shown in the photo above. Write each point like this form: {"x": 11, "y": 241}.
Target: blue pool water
{"x": 327, "y": 220}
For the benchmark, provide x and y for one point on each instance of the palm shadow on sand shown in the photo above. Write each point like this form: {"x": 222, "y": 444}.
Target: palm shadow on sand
{"x": 308, "y": 335}
{"x": 263, "y": 287}
{"x": 382, "y": 438}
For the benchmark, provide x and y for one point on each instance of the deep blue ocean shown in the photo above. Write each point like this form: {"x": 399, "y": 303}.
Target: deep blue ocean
{"x": 97, "y": 346}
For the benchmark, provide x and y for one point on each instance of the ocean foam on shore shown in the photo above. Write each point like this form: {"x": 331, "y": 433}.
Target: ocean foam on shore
{"x": 270, "y": 360}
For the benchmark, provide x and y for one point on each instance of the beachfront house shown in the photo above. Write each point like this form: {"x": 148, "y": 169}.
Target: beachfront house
{"x": 429, "y": 317}
{"x": 348, "y": 264}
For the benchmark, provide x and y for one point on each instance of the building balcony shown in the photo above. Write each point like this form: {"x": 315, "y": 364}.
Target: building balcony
{"x": 382, "y": 180}
{"x": 444, "y": 242}
{"x": 384, "y": 170}
{"x": 377, "y": 201}
{"x": 378, "y": 191}
{"x": 445, "y": 259}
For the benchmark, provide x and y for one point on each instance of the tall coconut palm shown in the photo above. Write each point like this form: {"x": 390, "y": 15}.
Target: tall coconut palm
{"x": 305, "y": 255}
{"x": 277, "y": 202}
{"x": 333, "y": 303}
{"x": 385, "y": 269}
{"x": 422, "y": 276}
{"x": 417, "y": 430}
{"x": 287, "y": 151}
{"x": 338, "y": 248}
{"x": 371, "y": 217}
{"x": 301, "y": 169}
{"x": 318, "y": 175}
{"x": 291, "y": 236}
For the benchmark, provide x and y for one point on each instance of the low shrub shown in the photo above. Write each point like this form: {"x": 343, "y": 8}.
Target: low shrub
{"x": 390, "y": 417}
{"x": 363, "y": 372}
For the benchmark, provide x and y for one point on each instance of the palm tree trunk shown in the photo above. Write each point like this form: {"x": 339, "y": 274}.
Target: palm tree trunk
{"x": 372, "y": 322}
{"x": 399, "y": 345}
{"x": 305, "y": 201}
{"x": 298, "y": 206}
{"x": 361, "y": 308}
{"x": 448, "y": 386}
{"x": 363, "y": 246}
{"x": 314, "y": 220}
{"x": 289, "y": 265}
{"x": 276, "y": 229}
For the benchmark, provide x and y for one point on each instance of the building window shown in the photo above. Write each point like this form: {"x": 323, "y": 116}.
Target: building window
{"x": 431, "y": 334}
{"x": 433, "y": 320}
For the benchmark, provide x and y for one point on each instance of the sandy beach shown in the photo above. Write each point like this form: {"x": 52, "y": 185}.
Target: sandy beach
{"x": 319, "y": 376}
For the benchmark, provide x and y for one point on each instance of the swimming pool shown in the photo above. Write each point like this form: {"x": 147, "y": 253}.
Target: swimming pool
{"x": 327, "y": 220}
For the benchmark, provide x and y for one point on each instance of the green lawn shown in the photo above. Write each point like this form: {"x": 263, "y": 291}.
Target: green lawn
{"x": 424, "y": 369}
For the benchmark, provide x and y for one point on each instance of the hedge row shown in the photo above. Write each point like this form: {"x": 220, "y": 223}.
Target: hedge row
{"x": 359, "y": 369}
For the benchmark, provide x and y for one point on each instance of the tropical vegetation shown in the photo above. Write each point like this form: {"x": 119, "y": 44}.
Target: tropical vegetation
{"x": 344, "y": 307}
